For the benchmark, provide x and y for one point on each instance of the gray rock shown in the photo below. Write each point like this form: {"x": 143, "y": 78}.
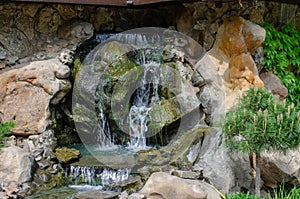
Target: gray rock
{"x": 273, "y": 84}
{"x": 76, "y": 31}
{"x": 278, "y": 166}
{"x": 43, "y": 164}
{"x": 123, "y": 195}
{"x": 16, "y": 165}
{"x": 136, "y": 196}
{"x": 96, "y": 195}
{"x": 66, "y": 56}
{"x": 186, "y": 174}
{"x": 14, "y": 44}
{"x": 226, "y": 170}
{"x": 212, "y": 95}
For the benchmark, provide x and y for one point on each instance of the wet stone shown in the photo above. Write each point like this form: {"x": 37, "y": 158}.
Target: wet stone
{"x": 43, "y": 164}
{"x": 97, "y": 195}
{"x": 186, "y": 174}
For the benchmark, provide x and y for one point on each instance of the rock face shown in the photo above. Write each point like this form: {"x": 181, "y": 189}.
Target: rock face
{"x": 16, "y": 165}
{"x": 76, "y": 32}
{"x": 237, "y": 36}
{"x": 27, "y": 93}
{"x": 231, "y": 58}
{"x": 226, "y": 170}
{"x": 165, "y": 186}
{"x": 277, "y": 166}
{"x": 236, "y": 40}
{"x": 114, "y": 70}
{"x": 14, "y": 44}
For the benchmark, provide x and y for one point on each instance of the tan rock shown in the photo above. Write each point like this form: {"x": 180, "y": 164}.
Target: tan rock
{"x": 15, "y": 165}
{"x": 27, "y": 92}
{"x": 11, "y": 189}
{"x": 243, "y": 71}
{"x": 162, "y": 185}
{"x": 237, "y": 36}
{"x": 236, "y": 40}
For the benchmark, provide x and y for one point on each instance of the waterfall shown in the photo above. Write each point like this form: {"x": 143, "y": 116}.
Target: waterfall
{"x": 92, "y": 176}
{"x": 146, "y": 96}
{"x": 103, "y": 135}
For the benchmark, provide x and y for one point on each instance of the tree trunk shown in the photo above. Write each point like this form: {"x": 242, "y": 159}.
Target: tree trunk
{"x": 257, "y": 176}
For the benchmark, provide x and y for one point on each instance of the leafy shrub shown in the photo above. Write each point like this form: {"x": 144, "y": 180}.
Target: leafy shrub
{"x": 282, "y": 56}
{"x": 4, "y": 130}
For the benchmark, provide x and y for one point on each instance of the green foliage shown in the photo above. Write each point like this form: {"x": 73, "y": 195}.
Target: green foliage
{"x": 282, "y": 193}
{"x": 282, "y": 56}
{"x": 260, "y": 123}
{"x": 4, "y": 130}
{"x": 279, "y": 193}
{"x": 241, "y": 196}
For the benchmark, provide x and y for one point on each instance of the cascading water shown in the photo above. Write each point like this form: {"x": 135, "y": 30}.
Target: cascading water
{"x": 146, "y": 94}
{"x": 95, "y": 177}
{"x": 145, "y": 97}
{"x": 104, "y": 135}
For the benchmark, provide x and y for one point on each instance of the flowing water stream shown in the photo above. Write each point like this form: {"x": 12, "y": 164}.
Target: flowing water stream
{"x": 95, "y": 177}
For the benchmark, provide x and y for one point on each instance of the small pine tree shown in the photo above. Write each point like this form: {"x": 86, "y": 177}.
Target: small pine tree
{"x": 259, "y": 123}
{"x": 4, "y": 130}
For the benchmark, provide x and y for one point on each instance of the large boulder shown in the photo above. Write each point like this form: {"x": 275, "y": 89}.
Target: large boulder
{"x": 230, "y": 58}
{"x": 236, "y": 40}
{"x": 278, "y": 166}
{"x": 16, "y": 165}
{"x": 162, "y": 185}
{"x": 225, "y": 169}
{"x": 27, "y": 93}
{"x": 237, "y": 36}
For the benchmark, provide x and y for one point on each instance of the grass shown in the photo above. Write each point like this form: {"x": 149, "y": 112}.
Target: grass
{"x": 279, "y": 193}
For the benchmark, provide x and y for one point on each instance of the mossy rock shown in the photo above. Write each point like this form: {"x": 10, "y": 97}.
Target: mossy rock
{"x": 163, "y": 114}
{"x": 65, "y": 155}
